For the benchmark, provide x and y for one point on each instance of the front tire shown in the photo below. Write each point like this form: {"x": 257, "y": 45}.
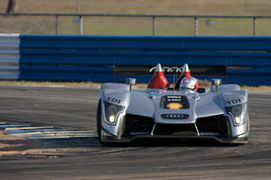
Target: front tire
{"x": 98, "y": 120}
{"x": 99, "y": 125}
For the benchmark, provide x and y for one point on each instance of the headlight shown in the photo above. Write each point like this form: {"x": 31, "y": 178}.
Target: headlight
{"x": 112, "y": 112}
{"x": 238, "y": 113}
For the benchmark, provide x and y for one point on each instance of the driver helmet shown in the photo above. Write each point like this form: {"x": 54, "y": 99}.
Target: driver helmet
{"x": 189, "y": 83}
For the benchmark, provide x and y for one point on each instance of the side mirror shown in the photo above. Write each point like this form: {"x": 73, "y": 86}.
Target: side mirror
{"x": 131, "y": 81}
{"x": 216, "y": 83}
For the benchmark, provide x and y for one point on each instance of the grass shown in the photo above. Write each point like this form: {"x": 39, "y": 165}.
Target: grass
{"x": 202, "y": 83}
{"x": 259, "y": 88}
{"x": 138, "y": 26}
{"x": 48, "y": 83}
{"x": 133, "y": 26}
{"x": 187, "y": 7}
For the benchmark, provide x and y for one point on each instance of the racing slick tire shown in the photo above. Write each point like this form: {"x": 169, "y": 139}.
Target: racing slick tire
{"x": 98, "y": 120}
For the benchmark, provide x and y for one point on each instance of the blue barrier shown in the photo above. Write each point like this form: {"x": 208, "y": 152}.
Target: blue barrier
{"x": 91, "y": 58}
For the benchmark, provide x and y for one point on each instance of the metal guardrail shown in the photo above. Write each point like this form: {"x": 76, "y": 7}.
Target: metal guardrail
{"x": 152, "y": 16}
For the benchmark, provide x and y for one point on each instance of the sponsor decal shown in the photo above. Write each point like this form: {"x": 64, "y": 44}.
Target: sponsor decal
{"x": 175, "y": 116}
{"x": 234, "y": 101}
{"x": 113, "y": 100}
{"x": 174, "y": 106}
{"x": 174, "y": 102}
{"x": 174, "y": 98}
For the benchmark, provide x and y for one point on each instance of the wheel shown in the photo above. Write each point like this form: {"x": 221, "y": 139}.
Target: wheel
{"x": 98, "y": 120}
{"x": 99, "y": 127}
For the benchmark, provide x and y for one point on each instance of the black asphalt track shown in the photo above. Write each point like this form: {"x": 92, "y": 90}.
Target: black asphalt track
{"x": 76, "y": 108}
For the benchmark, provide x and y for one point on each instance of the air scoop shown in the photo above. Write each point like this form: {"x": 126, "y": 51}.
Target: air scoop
{"x": 158, "y": 81}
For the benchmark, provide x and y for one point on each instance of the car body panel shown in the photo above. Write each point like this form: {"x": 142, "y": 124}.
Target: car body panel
{"x": 219, "y": 114}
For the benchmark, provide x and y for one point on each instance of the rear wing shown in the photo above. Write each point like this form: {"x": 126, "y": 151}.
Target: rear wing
{"x": 218, "y": 71}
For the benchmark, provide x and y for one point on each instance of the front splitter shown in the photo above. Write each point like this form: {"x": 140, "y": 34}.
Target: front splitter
{"x": 223, "y": 140}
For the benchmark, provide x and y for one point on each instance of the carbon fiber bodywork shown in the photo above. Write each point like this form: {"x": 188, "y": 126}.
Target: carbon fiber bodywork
{"x": 219, "y": 114}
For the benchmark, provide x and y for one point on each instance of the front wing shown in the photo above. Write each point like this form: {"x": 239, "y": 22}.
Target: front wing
{"x": 216, "y": 128}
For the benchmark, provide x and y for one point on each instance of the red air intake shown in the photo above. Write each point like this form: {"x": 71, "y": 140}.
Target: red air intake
{"x": 158, "y": 81}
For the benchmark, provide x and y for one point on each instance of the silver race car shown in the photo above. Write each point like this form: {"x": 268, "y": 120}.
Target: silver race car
{"x": 184, "y": 111}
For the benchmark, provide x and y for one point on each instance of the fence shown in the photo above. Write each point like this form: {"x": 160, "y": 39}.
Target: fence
{"x": 92, "y": 58}
{"x": 153, "y": 18}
